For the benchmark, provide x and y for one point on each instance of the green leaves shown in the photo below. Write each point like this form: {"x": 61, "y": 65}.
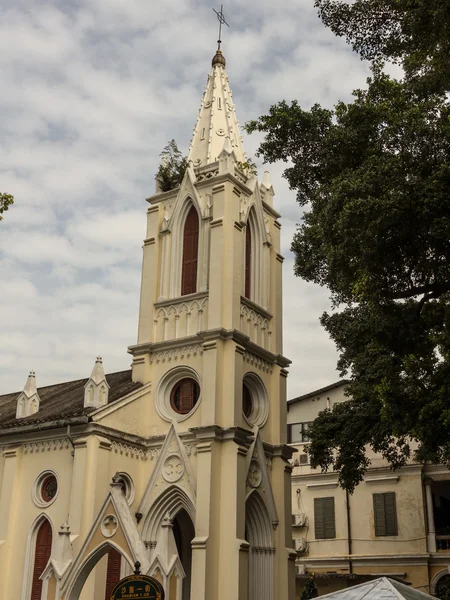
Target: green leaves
{"x": 172, "y": 168}
{"x": 414, "y": 33}
{"x": 5, "y": 202}
{"x": 373, "y": 177}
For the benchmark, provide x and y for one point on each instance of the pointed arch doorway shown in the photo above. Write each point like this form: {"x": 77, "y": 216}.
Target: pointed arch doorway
{"x": 258, "y": 533}
{"x": 183, "y": 532}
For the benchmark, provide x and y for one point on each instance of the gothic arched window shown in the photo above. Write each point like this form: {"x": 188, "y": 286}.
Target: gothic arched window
{"x": 190, "y": 254}
{"x": 42, "y": 553}
{"x": 248, "y": 260}
{"x": 112, "y": 571}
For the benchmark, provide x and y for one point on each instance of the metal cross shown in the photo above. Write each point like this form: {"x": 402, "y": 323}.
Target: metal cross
{"x": 222, "y": 21}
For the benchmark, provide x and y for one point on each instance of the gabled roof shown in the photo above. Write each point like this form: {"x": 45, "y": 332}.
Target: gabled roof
{"x": 379, "y": 589}
{"x": 327, "y": 388}
{"x": 63, "y": 400}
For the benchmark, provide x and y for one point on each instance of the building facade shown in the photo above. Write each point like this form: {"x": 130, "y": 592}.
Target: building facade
{"x": 182, "y": 462}
{"x": 397, "y": 523}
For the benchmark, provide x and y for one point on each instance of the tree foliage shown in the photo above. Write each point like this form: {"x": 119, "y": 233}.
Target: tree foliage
{"x": 5, "y": 202}
{"x": 374, "y": 178}
{"x": 310, "y": 590}
{"x": 172, "y": 168}
{"x": 413, "y": 33}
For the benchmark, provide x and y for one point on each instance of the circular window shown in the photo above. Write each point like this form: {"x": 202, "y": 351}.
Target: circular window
{"x": 45, "y": 489}
{"x": 178, "y": 394}
{"x": 49, "y": 488}
{"x": 255, "y": 402}
{"x": 184, "y": 396}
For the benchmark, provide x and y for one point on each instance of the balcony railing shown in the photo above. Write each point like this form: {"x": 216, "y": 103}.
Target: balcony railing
{"x": 443, "y": 542}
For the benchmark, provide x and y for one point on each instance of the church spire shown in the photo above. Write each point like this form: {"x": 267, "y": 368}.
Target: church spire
{"x": 216, "y": 120}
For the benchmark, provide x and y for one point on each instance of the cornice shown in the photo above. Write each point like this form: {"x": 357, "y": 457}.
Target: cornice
{"x": 181, "y": 299}
{"x": 224, "y": 178}
{"x": 250, "y": 304}
{"x": 209, "y": 335}
{"x": 271, "y": 211}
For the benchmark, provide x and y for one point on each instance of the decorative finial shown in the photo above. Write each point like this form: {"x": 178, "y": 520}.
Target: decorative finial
{"x": 137, "y": 568}
{"x": 219, "y": 59}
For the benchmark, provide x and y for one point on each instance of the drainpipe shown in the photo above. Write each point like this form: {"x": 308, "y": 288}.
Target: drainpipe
{"x": 349, "y": 533}
{"x": 69, "y": 437}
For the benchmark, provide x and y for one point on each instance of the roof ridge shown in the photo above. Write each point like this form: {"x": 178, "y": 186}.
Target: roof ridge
{"x": 71, "y": 381}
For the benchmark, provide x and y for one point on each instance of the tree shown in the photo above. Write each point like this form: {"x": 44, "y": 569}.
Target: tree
{"x": 172, "y": 168}
{"x": 413, "y": 33}
{"x": 374, "y": 178}
{"x": 5, "y": 202}
{"x": 310, "y": 589}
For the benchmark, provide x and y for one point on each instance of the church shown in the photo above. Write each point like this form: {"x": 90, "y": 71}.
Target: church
{"x": 180, "y": 463}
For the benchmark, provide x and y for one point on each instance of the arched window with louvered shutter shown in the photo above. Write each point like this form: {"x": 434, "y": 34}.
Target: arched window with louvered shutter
{"x": 43, "y": 550}
{"x": 248, "y": 260}
{"x": 112, "y": 571}
{"x": 190, "y": 254}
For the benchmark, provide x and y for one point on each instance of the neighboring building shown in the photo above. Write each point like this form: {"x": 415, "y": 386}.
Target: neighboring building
{"x": 180, "y": 463}
{"x": 397, "y": 523}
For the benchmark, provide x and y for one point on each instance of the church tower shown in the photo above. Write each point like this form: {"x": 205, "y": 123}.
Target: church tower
{"x": 209, "y": 351}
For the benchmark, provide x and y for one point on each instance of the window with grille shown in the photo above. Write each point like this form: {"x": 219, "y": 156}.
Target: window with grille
{"x": 385, "y": 514}
{"x": 184, "y": 396}
{"x": 190, "y": 254}
{"x": 324, "y": 520}
{"x": 298, "y": 433}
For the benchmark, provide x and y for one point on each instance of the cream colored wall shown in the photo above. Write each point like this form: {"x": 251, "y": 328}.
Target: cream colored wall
{"x": 405, "y": 553}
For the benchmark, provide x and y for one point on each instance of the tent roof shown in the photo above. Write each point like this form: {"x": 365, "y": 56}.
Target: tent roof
{"x": 379, "y": 589}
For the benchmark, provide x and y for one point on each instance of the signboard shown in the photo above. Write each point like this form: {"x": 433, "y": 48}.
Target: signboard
{"x": 138, "y": 586}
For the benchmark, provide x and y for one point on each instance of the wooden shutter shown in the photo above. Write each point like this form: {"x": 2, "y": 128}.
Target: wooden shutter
{"x": 112, "y": 572}
{"x": 186, "y": 396}
{"x": 385, "y": 514}
{"x": 391, "y": 513}
{"x": 248, "y": 260}
{"x": 190, "y": 254}
{"x": 324, "y": 521}
{"x": 41, "y": 557}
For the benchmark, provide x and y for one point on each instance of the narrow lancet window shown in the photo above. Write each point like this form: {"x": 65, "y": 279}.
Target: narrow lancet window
{"x": 190, "y": 254}
{"x": 112, "y": 571}
{"x": 248, "y": 260}
{"x": 42, "y": 553}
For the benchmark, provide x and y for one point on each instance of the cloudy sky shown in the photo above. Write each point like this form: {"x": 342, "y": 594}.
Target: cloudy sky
{"x": 91, "y": 91}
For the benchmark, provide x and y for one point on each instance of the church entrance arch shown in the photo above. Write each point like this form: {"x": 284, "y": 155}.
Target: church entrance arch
{"x": 91, "y": 562}
{"x": 184, "y": 533}
{"x": 258, "y": 534}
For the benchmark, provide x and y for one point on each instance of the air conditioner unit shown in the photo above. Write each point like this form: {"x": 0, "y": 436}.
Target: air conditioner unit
{"x": 303, "y": 459}
{"x": 301, "y": 544}
{"x": 299, "y": 520}
{"x": 300, "y": 569}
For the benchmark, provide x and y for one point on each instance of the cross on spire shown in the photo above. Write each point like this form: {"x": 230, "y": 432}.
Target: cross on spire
{"x": 221, "y": 18}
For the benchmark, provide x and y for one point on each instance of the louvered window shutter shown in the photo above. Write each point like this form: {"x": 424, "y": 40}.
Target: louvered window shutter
{"x": 112, "y": 572}
{"x": 324, "y": 520}
{"x": 378, "y": 514}
{"x": 385, "y": 514}
{"x": 391, "y": 513}
{"x": 190, "y": 254}
{"x": 186, "y": 396}
{"x": 248, "y": 261}
{"x": 42, "y": 555}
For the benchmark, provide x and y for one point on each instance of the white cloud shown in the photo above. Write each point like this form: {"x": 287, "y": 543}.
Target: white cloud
{"x": 91, "y": 92}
